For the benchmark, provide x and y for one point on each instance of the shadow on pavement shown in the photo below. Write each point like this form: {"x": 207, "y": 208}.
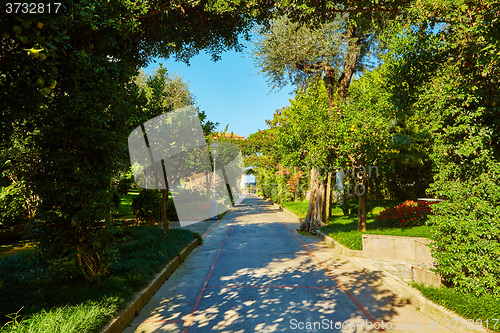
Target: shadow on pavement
{"x": 265, "y": 280}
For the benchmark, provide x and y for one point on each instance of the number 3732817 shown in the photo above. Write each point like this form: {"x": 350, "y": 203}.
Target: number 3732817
{"x": 32, "y": 8}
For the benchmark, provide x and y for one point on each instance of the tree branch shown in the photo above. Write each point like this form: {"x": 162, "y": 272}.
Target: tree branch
{"x": 303, "y": 66}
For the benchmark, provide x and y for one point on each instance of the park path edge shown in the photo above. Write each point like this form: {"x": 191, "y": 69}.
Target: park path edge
{"x": 141, "y": 298}
{"x": 414, "y": 297}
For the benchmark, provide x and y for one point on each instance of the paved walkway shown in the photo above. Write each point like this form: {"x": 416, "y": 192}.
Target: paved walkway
{"x": 255, "y": 273}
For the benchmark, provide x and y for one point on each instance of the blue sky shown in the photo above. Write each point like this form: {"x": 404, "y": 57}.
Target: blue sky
{"x": 230, "y": 90}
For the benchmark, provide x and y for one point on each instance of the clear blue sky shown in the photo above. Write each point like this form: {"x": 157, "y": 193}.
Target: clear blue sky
{"x": 230, "y": 91}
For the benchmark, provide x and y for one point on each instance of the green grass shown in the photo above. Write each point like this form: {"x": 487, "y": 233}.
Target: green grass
{"x": 85, "y": 317}
{"x": 15, "y": 248}
{"x": 298, "y": 208}
{"x": 469, "y": 306}
{"x": 45, "y": 304}
{"x": 125, "y": 209}
{"x": 344, "y": 229}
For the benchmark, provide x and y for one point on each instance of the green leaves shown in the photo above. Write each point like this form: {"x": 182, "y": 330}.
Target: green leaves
{"x": 448, "y": 104}
{"x": 146, "y": 206}
{"x": 467, "y": 245}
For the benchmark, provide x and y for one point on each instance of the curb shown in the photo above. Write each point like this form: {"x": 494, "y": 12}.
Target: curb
{"x": 396, "y": 285}
{"x": 404, "y": 290}
{"x": 416, "y": 298}
{"x": 142, "y": 298}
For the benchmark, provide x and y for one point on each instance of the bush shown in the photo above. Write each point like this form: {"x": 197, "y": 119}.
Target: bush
{"x": 80, "y": 249}
{"x": 146, "y": 206}
{"x": 467, "y": 241}
{"x": 13, "y": 206}
{"x": 408, "y": 214}
{"x": 348, "y": 208}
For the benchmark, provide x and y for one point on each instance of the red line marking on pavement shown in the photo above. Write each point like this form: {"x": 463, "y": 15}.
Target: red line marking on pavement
{"x": 271, "y": 286}
{"x": 348, "y": 293}
{"x": 189, "y": 321}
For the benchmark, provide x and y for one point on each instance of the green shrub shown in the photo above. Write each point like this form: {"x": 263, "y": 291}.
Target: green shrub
{"x": 467, "y": 242}
{"x": 348, "y": 208}
{"x": 82, "y": 249}
{"x": 13, "y": 206}
{"x": 146, "y": 206}
{"x": 408, "y": 214}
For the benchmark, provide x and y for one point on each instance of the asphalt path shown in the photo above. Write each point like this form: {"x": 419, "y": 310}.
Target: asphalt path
{"x": 255, "y": 273}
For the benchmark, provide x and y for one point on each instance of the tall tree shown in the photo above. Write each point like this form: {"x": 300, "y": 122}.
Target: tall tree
{"x": 293, "y": 52}
{"x": 167, "y": 92}
{"x": 333, "y": 45}
{"x": 66, "y": 93}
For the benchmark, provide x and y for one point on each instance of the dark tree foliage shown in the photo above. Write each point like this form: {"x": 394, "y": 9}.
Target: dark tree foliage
{"x": 67, "y": 103}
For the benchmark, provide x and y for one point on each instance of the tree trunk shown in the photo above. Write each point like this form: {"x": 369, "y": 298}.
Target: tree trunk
{"x": 341, "y": 85}
{"x": 328, "y": 199}
{"x": 321, "y": 216}
{"x": 350, "y": 62}
{"x": 362, "y": 194}
{"x": 313, "y": 220}
{"x": 297, "y": 190}
{"x": 330, "y": 83}
{"x": 163, "y": 207}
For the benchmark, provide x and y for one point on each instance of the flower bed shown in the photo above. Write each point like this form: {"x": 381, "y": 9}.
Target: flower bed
{"x": 408, "y": 214}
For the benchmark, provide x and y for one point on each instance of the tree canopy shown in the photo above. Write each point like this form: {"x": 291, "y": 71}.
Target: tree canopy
{"x": 68, "y": 103}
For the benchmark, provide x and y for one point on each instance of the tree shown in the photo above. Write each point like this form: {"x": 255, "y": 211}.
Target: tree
{"x": 444, "y": 80}
{"x": 68, "y": 104}
{"x": 304, "y": 141}
{"x": 333, "y": 45}
{"x": 365, "y": 132}
{"x": 260, "y": 157}
{"x": 166, "y": 92}
{"x": 293, "y": 52}
{"x": 362, "y": 140}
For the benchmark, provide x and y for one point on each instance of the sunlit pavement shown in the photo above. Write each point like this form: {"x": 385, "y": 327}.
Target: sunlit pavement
{"x": 255, "y": 273}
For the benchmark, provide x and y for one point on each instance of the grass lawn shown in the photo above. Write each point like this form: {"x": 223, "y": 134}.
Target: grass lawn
{"x": 45, "y": 304}
{"x": 17, "y": 247}
{"x": 125, "y": 209}
{"x": 298, "y": 208}
{"x": 344, "y": 229}
{"x": 485, "y": 309}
